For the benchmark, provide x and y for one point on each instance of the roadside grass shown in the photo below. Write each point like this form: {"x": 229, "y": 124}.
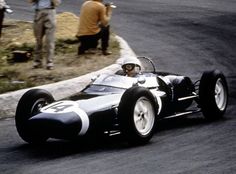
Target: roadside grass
{"x": 18, "y": 35}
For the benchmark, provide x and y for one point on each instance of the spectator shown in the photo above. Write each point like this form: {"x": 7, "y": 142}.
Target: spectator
{"x": 94, "y": 25}
{"x": 44, "y": 25}
{"x": 2, "y": 10}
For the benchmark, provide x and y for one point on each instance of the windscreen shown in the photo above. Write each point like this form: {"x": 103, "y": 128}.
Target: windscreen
{"x": 110, "y": 83}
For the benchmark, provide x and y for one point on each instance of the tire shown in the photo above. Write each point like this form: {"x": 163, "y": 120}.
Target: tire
{"x": 28, "y": 106}
{"x": 137, "y": 115}
{"x": 213, "y": 94}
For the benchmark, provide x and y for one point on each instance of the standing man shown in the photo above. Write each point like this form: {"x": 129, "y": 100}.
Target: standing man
{"x": 94, "y": 25}
{"x": 2, "y": 10}
{"x": 44, "y": 25}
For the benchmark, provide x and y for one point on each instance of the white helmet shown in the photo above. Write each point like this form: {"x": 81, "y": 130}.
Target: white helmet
{"x": 130, "y": 64}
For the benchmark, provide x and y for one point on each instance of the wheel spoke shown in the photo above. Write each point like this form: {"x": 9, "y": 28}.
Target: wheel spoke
{"x": 139, "y": 123}
{"x": 144, "y": 123}
{"x": 136, "y": 111}
{"x": 141, "y": 106}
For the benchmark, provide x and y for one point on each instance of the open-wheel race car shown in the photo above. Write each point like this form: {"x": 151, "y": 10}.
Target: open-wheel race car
{"x": 117, "y": 104}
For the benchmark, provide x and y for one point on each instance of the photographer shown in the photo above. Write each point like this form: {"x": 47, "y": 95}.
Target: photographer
{"x": 94, "y": 25}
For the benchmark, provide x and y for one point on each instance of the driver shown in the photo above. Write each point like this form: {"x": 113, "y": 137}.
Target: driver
{"x": 131, "y": 67}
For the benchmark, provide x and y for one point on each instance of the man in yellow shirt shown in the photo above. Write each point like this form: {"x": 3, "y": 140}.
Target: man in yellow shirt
{"x": 94, "y": 25}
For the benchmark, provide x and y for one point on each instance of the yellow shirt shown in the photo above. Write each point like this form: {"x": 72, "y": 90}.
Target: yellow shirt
{"x": 92, "y": 14}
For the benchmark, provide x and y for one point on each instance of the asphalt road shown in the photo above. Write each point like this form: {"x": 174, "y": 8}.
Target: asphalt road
{"x": 182, "y": 36}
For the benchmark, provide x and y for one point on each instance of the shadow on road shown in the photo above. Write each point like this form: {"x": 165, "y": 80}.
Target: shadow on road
{"x": 60, "y": 148}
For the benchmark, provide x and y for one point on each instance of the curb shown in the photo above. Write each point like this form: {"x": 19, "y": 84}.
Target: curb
{"x": 62, "y": 89}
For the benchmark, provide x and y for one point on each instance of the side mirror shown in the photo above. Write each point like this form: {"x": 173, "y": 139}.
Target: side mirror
{"x": 94, "y": 78}
{"x": 141, "y": 80}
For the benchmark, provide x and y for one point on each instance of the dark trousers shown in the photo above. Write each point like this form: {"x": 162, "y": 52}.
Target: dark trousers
{"x": 1, "y": 20}
{"x": 91, "y": 41}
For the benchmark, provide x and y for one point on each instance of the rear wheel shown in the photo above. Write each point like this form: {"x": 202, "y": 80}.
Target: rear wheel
{"x": 137, "y": 115}
{"x": 28, "y": 106}
{"x": 213, "y": 94}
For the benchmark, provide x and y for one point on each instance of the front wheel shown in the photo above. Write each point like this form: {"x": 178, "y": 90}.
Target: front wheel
{"x": 28, "y": 106}
{"x": 213, "y": 94}
{"x": 137, "y": 115}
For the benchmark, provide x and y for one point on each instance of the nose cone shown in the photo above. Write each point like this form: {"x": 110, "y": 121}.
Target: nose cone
{"x": 62, "y": 119}
{"x": 60, "y": 125}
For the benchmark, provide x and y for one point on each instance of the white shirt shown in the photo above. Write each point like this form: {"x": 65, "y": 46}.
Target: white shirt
{"x": 42, "y": 4}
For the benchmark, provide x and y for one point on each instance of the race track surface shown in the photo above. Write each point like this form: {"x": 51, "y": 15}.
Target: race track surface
{"x": 181, "y": 36}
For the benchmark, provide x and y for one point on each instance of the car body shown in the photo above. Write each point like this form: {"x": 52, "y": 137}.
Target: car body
{"x": 117, "y": 104}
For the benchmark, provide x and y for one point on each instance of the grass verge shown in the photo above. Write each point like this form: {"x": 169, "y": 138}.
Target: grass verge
{"x": 18, "y": 35}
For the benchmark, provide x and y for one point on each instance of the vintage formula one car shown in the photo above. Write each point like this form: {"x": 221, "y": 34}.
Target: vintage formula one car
{"x": 117, "y": 104}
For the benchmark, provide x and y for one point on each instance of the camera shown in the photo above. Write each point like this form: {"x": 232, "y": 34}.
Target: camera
{"x": 8, "y": 9}
{"x": 111, "y": 4}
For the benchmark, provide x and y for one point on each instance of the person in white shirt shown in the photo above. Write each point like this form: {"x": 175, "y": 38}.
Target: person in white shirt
{"x": 2, "y": 10}
{"x": 44, "y": 25}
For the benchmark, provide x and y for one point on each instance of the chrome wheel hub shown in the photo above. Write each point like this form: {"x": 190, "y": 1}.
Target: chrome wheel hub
{"x": 144, "y": 116}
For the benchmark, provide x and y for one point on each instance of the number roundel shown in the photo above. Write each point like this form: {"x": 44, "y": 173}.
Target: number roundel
{"x": 60, "y": 107}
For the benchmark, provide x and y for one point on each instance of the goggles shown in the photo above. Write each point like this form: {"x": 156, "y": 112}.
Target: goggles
{"x": 128, "y": 67}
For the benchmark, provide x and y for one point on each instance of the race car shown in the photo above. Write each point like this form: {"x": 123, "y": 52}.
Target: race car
{"x": 118, "y": 104}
